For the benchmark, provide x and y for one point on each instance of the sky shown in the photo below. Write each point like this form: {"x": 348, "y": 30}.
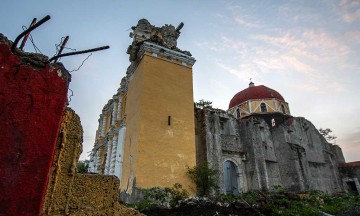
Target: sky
{"x": 306, "y": 50}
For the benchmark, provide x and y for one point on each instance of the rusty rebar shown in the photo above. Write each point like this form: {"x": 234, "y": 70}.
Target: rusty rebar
{"x": 63, "y": 44}
{"x": 180, "y": 26}
{"x": 78, "y": 52}
{"x": 27, "y": 35}
{"x": 46, "y": 18}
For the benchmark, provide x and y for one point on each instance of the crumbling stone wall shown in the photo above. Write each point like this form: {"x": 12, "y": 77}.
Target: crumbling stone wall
{"x": 67, "y": 152}
{"x": 313, "y": 158}
{"x": 33, "y": 95}
{"x": 219, "y": 141}
{"x": 37, "y": 163}
{"x": 350, "y": 175}
{"x": 200, "y": 136}
{"x": 291, "y": 153}
{"x": 70, "y": 193}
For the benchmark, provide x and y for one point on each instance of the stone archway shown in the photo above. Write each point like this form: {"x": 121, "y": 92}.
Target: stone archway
{"x": 231, "y": 178}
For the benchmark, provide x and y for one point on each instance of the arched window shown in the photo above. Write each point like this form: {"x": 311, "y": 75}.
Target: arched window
{"x": 283, "y": 108}
{"x": 238, "y": 114}
{"x": 263, "y": 107}
{"x": 231, "y": 178}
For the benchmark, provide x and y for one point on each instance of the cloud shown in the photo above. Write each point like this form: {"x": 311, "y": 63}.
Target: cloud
{"x": 244, "y": 22}
{"x": 244, "y": 72}
{"x": 246, "y": 19}
{"x": 282, "y": 42}
{"x": 316, "y": 45}
{"x": 353, "y": 36}
{"x": 349, "y": 11}
{"x": 213, "y": 46}
{"x": 235, "y": 45}
{"x": 350, "y": 144}
{"x": 225, "y": 44}
{"x": 324, "y": 46}
{"x": 314, "y": 56}
{"x": 314, "y": 86}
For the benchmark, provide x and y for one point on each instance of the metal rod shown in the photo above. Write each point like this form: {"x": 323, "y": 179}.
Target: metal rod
{"x": 62, "y": 46}
{"x": 27, "y": 35}
{"x": 180, "y": 26}
{"x": 79, "y": 52}
{"x": 28, "y": 31}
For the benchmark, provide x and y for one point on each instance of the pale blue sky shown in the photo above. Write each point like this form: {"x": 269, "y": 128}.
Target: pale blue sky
{"x": 307, "y": 50}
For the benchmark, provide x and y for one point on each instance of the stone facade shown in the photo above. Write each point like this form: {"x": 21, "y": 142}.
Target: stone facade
{"x": 291, "y": 154}
{"x": 106, "y": 156}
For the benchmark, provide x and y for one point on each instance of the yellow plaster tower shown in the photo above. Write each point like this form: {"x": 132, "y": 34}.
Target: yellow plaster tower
{"x": 160, "y": 137}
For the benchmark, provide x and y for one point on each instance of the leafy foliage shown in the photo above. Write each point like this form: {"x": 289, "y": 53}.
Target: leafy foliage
{"x": 83, "y": 166}
{"x": 204, "y": 178}
{"x": 279, "y": 202}
{"x": 164, "y": 197}
{"x": 203, "y": 104}
{"x": 176, "y": 193}
{"x": 327, "y": 134}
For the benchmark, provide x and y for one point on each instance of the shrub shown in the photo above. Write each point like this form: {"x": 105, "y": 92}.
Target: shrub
{"x": 176, "y": 193}
{"x": 82, "y": 166}
{"x": 164, "y": 197}
{"x": 204, "y": 178}
{"x": 251, "y": 196}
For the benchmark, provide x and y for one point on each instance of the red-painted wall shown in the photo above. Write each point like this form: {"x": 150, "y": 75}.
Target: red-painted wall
{"x": 31, "y": 106}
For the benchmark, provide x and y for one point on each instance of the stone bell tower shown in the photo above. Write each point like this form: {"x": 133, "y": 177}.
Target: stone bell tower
{"x": 159, "y": 141}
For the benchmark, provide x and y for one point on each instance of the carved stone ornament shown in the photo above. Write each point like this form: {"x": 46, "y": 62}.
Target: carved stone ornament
{"x": 165, "y": 36}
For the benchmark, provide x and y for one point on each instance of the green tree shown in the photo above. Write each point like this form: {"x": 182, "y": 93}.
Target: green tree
{"x": 83, "y": 166}
{"x": 203, "y": 104}
{"x": 327, "y": 134}
{"x": 204, "y": 178}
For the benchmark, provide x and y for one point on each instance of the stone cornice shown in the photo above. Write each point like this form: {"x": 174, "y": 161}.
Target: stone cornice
{"x": 166, "y": 52}
{"x": 160, "y": 51}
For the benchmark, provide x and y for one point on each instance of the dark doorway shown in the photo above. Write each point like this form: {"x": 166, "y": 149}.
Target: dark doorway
{"x": 352, "y": 186}
{"x": 231, "y": 178}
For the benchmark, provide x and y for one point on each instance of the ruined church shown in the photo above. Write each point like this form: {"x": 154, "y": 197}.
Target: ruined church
{"x": 149, "y": 132}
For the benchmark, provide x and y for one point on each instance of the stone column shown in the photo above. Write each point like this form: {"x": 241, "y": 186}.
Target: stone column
{"x": 119, "y": 108}
{"x": 114, "y": 113}
{"x": 103, "y": 124}
{"x": 113, "y": 154}
{"x": 108, "y": 155}
{"x": 120, "y": 151}
{"x": 250, "y": 108}
{"x": 98, "y": 161}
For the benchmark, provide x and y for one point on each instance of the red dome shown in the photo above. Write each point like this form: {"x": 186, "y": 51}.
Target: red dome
{"x": 254, "y": 92}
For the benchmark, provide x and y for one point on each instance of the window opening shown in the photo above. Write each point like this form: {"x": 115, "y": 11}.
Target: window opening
{"x": 263, "y": 107}
{"x": 283, "y": 108}
{"x": 238, "y": 114}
